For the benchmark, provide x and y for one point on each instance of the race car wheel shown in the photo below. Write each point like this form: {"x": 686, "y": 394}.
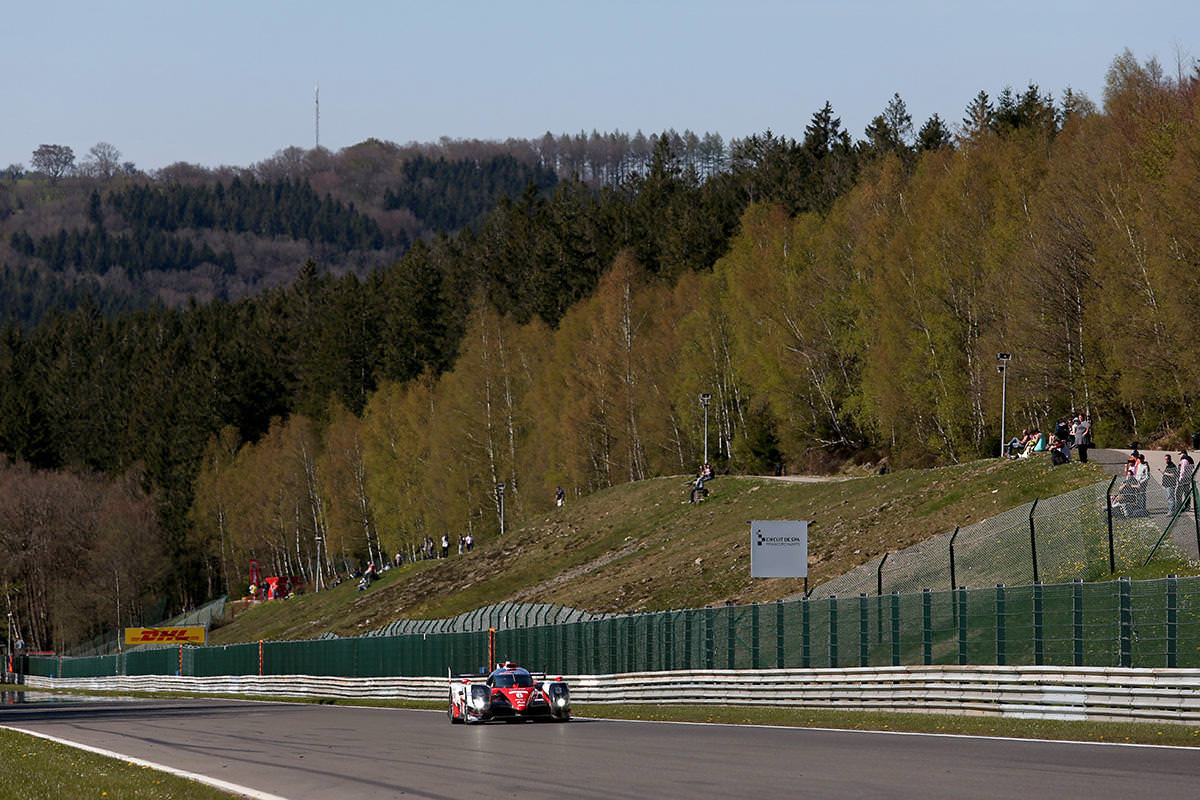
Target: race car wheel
{"x": 454, "y": 719}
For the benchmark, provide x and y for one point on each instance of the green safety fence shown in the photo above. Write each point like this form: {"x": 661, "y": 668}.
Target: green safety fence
{"x": 1153, "y": 623}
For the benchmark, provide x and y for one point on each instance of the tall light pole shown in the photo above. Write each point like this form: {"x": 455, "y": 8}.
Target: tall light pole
{"x": 319, "y": 576}
{"x": 1002, "y": 368}
{"x": 500, "y": 497}
{"x": 705, "y": 399}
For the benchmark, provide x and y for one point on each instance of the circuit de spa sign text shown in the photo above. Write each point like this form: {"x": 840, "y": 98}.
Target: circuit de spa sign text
{"x": 779, "y": 549}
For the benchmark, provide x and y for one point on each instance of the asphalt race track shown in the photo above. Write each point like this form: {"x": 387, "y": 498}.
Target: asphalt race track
{"x": 309, "y": 751}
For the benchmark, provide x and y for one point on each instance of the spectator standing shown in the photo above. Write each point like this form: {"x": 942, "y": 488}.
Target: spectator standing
{"x": 1079, "y": 431}
{"x": 559, "y": 496}
{"x": 1141, "y": 474}
{"x": 1170, "y": 480}
{"x": 445, "y": 545}
{"x": 1186, "y": 468}
{"x": 470, "y": 542}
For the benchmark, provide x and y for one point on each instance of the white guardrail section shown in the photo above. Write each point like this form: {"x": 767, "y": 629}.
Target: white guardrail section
{"x": 1068, "y": 693}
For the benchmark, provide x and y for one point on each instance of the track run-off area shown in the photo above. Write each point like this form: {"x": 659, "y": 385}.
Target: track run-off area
{"x": 300, "y": 751}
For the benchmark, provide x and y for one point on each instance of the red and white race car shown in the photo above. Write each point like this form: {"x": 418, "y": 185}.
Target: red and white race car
{"x": 509, "y": 693}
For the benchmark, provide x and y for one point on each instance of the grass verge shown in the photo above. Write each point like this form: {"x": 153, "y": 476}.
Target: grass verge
{"x": 38, "y": 769}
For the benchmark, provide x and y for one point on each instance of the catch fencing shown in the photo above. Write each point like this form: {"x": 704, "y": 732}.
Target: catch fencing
{"x": 1154, "y": 623}
{"x": 501, "y": 615}
{"x": 112, "y": 641}
{"x": 1087, "y": 533}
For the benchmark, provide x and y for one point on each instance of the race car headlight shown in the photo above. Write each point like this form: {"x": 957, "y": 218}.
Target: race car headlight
{"x": 559, "y": 696}
{"x": 480, "y": 695}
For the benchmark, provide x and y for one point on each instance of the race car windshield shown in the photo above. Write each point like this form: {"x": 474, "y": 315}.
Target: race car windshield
{"x": 511, "y": 680}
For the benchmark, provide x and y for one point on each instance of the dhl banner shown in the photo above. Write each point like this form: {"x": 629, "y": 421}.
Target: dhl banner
{"x": 192, "y": 634}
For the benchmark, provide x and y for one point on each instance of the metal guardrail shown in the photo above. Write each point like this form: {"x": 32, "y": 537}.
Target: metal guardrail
{"x": 1065, "y": 693}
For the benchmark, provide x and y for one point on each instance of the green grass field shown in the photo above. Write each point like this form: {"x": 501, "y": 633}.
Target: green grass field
{"x": 32, "y": 768}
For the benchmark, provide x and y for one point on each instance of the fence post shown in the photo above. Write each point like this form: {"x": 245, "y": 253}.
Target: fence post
{"x": 927, "y": 625}
{"x": 1038, "y": 639}
{"x": 1195, "y": 498}
{"x": 1077, "y": 608}
{"x": 260, "y": 657}
{"x": 668, "y": 640}
{"x": 708, "y": 637}
{"x": 614, "y": 645}
{"x": 1172, "y": 621}
{"x": 1000, "y": 624}
{"x": 1126, "y": 637}
{"x": 1033, "y": 541}
{"x": 595, "y": 625}
{"x": 962, "y": 625}
{"x": 754, "y": 662}
{"x": 879, "y": 599}
{"x": 953, "y": 536}
{"x": 687, "y": 639}
{"x": 1112, "y": 555}
{"x": 895, "y": 629}
{"x": 779, "y": 634}
{"x": 833, "y": 639}
{"x": 732, "y": 633}
{"x": 805, "y": 636}
{"x": 627, "y": 626}
{"x": 864, "y": 640}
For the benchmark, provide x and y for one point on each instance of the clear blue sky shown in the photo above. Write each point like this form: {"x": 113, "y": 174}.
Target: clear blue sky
{"x": 231, "y": 81}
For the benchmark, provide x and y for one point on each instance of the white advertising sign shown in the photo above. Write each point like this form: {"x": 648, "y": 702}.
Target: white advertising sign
{"x": 779, "y": 549}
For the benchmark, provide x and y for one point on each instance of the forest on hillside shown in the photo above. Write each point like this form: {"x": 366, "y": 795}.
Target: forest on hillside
{"x": 836, "y": 299}
{"x": 102, "y": 230}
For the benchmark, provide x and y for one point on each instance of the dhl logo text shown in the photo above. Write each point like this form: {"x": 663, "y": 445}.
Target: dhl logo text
{"x": 189, "y": 635}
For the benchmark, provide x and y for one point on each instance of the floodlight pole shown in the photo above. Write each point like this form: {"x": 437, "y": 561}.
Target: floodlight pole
{"x": 1002, "y": 368}
{"x": 500, "y": 496}
{"x": 320, "y": 578}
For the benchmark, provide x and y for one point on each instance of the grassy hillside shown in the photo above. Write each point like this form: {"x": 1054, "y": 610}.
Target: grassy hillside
{"x": 642, "y": 547}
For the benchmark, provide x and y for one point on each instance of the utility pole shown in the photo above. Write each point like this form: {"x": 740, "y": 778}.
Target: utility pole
{"x": 705, "y": 399}
{"x": 1002, "y": 368}
{"x": 320, "y": 576}
{"x": 500, "y": 497}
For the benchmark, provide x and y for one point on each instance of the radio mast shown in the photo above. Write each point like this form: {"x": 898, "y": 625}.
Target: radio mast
{"x": 317, "y": 115}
